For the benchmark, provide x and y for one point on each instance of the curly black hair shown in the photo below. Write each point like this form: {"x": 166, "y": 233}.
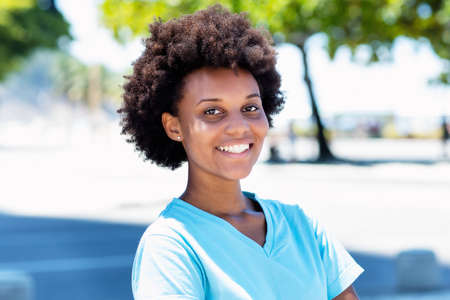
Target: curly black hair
{"x": 213, "y": 37}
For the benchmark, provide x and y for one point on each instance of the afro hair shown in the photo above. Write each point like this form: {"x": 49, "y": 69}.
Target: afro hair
{"x": 213, "y": 37}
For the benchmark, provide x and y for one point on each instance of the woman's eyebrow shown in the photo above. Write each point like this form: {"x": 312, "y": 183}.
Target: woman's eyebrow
{"x": 253, "y": 95}
{"x": 217, "y": 99}
{"x": 208, "y": 99}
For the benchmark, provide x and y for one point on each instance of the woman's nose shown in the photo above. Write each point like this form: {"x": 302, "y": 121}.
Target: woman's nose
{"x": 237, "y": 125}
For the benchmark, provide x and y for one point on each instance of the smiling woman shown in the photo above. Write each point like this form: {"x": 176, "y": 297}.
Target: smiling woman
{"x": 204, "y": 91}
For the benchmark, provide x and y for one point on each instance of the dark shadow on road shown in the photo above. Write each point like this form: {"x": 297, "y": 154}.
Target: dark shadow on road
{"x": 360, "y": 162}
{"x": 77, "y": 259}
{"x": 70, "y": 259}
{"x": 379, "y": 277}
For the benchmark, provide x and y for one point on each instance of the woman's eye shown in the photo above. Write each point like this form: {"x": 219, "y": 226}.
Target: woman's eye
{"x": 250, "y": 108}
{"x": 212, "y": 111}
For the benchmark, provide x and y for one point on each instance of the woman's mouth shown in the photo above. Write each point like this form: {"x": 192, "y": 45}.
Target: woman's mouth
{"x": 235, "y": 149}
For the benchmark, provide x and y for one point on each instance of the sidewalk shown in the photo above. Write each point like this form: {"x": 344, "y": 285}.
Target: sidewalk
{"x": 425, "y": 296}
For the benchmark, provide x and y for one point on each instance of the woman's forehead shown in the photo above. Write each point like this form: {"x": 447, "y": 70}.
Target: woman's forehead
{"x": 207, "y": 83}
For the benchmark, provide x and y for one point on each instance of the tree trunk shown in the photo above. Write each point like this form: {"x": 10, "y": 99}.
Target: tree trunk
{"x": 94, "y": 89}
{"x": 325, "y": 153}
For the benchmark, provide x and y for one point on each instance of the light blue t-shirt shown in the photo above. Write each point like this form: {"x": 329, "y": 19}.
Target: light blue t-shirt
{"x": 188, "y": 253}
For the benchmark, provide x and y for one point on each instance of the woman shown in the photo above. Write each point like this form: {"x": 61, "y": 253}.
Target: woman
{"x": 204, "y": 91}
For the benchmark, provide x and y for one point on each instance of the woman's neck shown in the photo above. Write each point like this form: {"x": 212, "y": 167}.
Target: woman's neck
{"x": 218, "y": 196}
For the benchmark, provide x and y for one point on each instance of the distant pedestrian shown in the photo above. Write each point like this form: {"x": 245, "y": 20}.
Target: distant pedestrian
{"x": 205, "y": 91}
{"x": 445, "y": 135}
{"x": 292, "y": 136}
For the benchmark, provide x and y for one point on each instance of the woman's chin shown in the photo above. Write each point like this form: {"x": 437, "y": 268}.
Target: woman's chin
{"x": 236, "y": 174}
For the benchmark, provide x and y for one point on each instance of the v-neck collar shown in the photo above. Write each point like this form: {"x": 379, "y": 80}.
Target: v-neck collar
{"x": 267, "y": 215}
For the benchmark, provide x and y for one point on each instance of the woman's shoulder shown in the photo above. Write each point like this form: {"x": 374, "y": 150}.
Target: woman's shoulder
{"x": 165, "y": 226}
{"x": 162, "y": 238}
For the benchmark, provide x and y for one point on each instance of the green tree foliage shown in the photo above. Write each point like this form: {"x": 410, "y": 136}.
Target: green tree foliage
{"x": 375, "y": 23}
{"x": 25, "y": 26}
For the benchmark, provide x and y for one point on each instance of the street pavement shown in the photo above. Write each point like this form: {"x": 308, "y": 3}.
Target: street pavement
{"x": 70, "y": 259}
{"x": 72, "y": 217}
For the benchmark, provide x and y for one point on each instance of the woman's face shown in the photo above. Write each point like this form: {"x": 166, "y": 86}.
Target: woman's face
{"x": 222, "y": 122}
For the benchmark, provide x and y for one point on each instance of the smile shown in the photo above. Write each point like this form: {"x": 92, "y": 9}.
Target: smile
{"x": 234, "y": 148}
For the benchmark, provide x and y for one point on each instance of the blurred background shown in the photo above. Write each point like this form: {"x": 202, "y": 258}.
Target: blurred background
{"x": 362, "y": 142}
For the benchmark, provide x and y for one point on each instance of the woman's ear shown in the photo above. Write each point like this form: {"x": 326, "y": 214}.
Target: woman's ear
{"x": 171, "y": 126}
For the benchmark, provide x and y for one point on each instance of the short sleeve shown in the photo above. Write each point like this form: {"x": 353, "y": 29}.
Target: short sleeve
{"x": 341, "y": 269}
{"x": 164, "y": 269}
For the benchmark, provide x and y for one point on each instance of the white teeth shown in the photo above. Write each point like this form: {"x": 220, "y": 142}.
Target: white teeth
{"x": 235, "y": 148}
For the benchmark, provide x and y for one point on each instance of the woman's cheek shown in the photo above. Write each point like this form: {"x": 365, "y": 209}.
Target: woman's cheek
{"x": 263, "y": 126}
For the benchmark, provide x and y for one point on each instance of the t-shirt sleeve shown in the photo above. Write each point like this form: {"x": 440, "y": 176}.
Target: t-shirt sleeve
{"x": 164, "y": 269}
{"x": 341, "y": 269}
